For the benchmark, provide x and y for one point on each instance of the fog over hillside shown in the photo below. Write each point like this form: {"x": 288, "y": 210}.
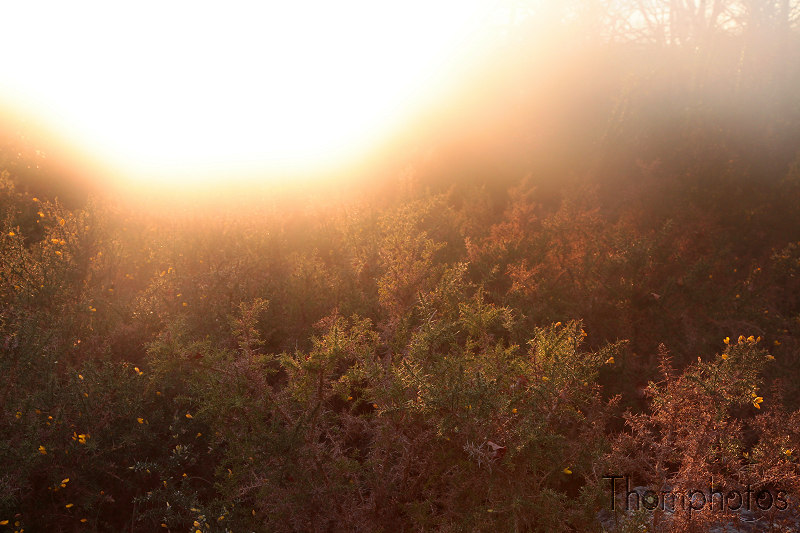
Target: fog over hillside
{"x": 572, "y": 266}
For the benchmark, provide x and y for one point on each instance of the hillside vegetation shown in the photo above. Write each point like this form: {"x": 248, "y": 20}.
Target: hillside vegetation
{"x": 470, "y": 344}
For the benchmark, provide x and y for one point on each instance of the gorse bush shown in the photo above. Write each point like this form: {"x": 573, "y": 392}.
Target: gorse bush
{"x": 403, "y": 368}
{"x": 710, "y": 427}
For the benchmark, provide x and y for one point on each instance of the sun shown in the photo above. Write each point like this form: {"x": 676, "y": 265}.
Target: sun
{"x": 185, "y": 92}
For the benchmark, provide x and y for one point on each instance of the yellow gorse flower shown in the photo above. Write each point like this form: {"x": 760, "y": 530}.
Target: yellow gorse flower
{"x": 567, "y": 471}
{"x": 42, "y": 450}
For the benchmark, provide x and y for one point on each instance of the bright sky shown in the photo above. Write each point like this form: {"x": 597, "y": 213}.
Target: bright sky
{"x": 165, "y": 91}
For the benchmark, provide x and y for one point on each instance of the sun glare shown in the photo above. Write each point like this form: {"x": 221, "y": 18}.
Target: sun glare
{"x": 177, "y": 92}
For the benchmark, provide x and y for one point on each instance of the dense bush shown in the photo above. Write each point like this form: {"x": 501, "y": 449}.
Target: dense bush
{"x": 403, "y": 368}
